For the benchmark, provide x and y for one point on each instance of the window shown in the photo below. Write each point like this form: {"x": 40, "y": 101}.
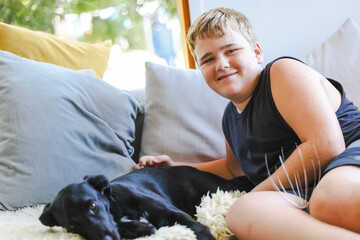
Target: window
{"x": 140, "y": 30}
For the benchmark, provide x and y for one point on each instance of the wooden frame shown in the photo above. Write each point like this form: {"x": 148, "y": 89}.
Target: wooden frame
{"x": 185, "y": 22}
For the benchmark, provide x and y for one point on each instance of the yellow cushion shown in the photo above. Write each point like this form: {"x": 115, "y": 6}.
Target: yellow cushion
{"x": 44, "y": 47}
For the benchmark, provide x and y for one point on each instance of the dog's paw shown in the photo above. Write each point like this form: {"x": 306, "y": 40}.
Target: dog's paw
{"x": 135, "y": 228}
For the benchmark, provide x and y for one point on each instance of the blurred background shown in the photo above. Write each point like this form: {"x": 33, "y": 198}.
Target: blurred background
{"x": 140, "y": 30}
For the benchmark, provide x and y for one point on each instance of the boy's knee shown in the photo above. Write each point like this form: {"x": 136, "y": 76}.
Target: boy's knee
{"x": 337, "y": 204}
{"x": 233, "y": 216}
{"x": 242, "y": 217}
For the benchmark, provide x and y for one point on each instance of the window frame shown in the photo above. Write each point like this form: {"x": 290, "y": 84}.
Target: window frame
{"x": 185, "y": 22}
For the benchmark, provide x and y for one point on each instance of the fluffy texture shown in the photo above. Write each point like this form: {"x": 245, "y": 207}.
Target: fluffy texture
{"x": 173, "y": 232}
{"x": 24, "y": 223}
{"x": 212, "y": 212}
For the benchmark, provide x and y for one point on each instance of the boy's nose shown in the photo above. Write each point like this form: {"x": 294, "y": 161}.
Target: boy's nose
{"x": 222, "y": 64}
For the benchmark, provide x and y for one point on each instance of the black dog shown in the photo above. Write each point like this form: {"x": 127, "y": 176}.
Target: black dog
{"x": 136, "y": 204}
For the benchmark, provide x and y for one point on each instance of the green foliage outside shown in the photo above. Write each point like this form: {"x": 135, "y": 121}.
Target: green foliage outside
{"x": 40, "y": 15}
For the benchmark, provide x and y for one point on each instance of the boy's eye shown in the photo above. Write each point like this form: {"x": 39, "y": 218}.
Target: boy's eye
{"x": 207, "y": 60}
{"x": 231, "y": 51}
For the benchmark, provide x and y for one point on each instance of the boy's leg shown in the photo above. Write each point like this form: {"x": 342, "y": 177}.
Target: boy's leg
{"x": 336, "y": 199}
{"x": 268, "y": 215}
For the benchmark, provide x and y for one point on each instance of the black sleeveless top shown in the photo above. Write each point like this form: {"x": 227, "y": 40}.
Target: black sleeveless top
{"x": 260, "y": 129}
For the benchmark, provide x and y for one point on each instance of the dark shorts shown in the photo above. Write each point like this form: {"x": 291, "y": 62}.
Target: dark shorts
{"x": 351, "y": 156}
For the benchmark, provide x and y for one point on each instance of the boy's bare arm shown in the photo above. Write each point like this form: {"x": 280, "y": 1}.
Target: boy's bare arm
{"x": 302, "y": 98}
{"x": 224, "y": 167}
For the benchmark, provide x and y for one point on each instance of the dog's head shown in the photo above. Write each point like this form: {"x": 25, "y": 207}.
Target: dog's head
{"x": 83, "y": 208}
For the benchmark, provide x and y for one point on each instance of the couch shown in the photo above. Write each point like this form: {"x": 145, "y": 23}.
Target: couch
{"x": 60, "y": 121}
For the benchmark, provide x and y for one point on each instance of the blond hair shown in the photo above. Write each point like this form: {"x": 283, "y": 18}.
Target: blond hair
{"x": 215, "y": 22}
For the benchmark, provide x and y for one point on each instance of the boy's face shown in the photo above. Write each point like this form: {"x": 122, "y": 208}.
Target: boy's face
{"x": 230, "y": 66}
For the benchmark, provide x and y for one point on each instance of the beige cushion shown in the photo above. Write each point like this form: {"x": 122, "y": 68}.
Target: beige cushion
{"x": 339, "y": 58}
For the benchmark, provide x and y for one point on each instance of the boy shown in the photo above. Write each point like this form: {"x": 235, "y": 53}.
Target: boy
{"x": 286, "y": 109}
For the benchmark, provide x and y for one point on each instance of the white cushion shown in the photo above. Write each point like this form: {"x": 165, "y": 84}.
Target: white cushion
{"x": 339, "y": 58}
{"x": 182, "y": 115}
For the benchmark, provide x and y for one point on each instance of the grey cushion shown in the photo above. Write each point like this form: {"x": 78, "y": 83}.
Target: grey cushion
{"x": 139, "y": 123}
{"x": 182, "y": 115}
{"x": 56, "y": 126}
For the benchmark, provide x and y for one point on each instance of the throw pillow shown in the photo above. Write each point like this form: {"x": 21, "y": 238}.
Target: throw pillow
{"x": 182, "y": 115}
{"x": 44, "y": 47}
{"x": 339, "y": 57}
{"x": 56, "y": 126}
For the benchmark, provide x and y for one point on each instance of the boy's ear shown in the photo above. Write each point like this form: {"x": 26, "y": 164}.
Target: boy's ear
{"x": 258, "y": 54}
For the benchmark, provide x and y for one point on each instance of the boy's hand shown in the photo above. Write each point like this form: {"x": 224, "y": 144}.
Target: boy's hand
{"x": 154, "y": 161}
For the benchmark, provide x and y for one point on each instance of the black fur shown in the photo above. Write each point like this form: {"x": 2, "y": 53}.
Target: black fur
{"x": 136, "y": 204}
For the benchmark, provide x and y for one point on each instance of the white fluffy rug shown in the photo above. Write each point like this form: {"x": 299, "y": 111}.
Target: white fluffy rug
{"x": 24, "y": 223}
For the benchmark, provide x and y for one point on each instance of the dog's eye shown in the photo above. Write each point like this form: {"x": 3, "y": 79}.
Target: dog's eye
{"x": 93, "y": 206}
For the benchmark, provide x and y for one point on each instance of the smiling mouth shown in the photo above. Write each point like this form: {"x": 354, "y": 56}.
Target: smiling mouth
{"x": 226, "y": 76}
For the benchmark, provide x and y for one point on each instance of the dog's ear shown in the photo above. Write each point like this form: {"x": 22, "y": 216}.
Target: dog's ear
{"x": 47, "y": 218}
{"x": 100, "y": 182}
